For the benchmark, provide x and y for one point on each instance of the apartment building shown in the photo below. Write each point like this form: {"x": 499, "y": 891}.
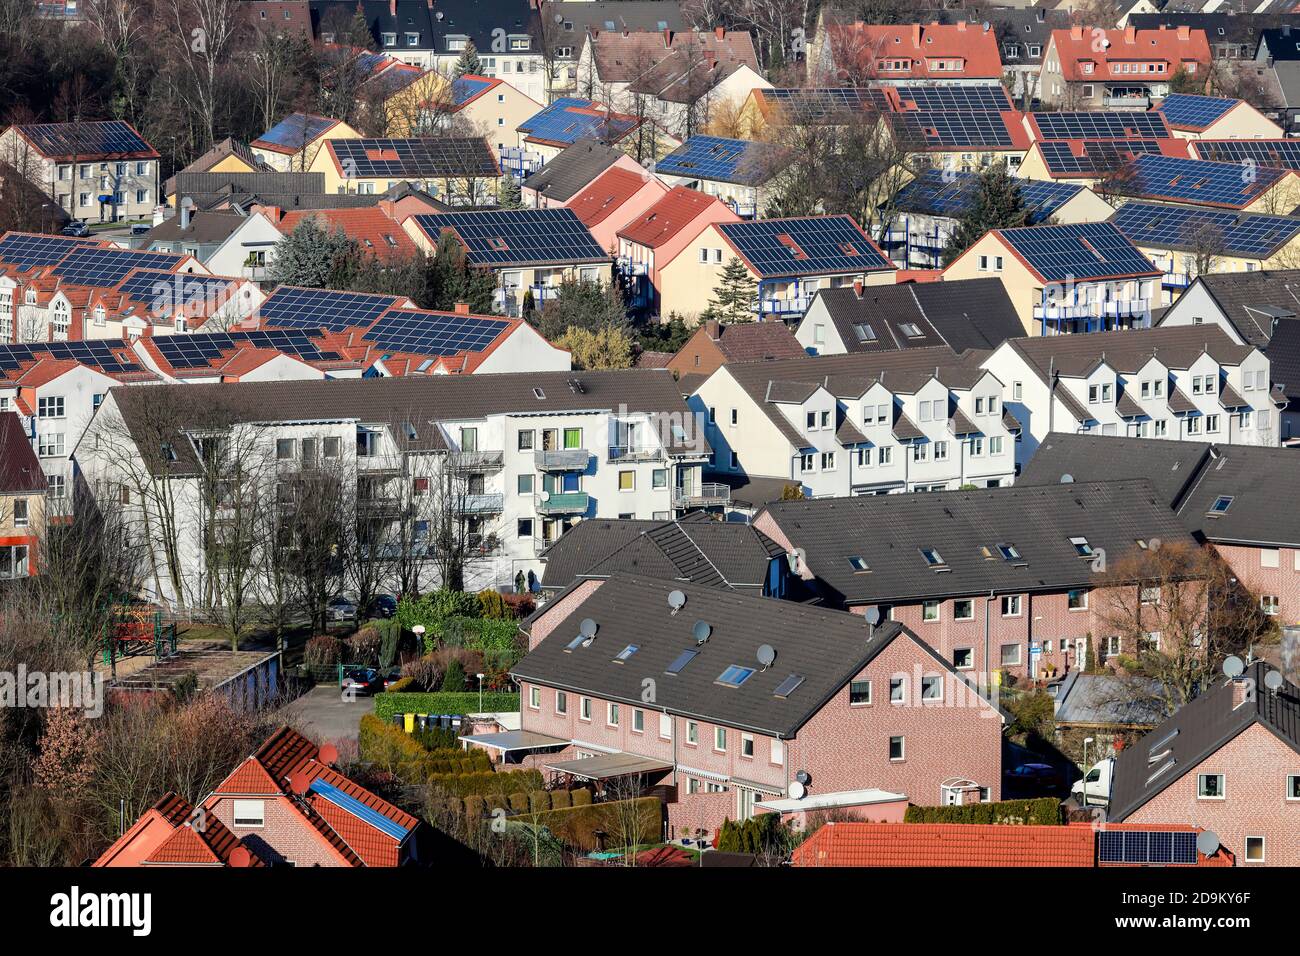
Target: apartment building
{"x": 649, "y": 681}
{"x": 993, "y": 579}
{"x": 101, "y": 171}
{"x": 713, "y": 345}
{"x": 518, "y": 458}
{"x": 615, "y": 198}
{"x": 22, "y": 500}
{"x": 566, "y": 121}
{"x": 458, "y": 170}
{"x": 1206, "y": 183}
{"x": 1192, "y": 116}
{"x": 484, "y": 105}
{"x": 1167, "y": 383}
{"x": 950, "y": 53}
{"x": 576, "y": 19}
{"x": 574, "y": 169}
{"x": 1121, "y": 69}
{"x": 740, "y": 172}
{"x": 293, "y": 144}
{"x": 859, "y": 424}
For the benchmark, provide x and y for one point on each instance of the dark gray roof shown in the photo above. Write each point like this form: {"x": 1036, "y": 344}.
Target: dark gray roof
{"x": 695, "y": 548}
{"x": 204, "y": 227}
{"x": 1024, "y": 27}
{"x": 613, "y": 15}
{"x": 889, "y": 531}
{"x": 573, "y": 170}
{"x": 826, "y": 648}
{"x": 236, "y": 183}
{"x": 434, "y": 23}
{"x": 1280, "y": 43}
{"x": 286, "y": 201}
{"x": 1284, "y": 359}
{"x": 226, "y": 148}
{"x": 962, "y": 314}
{"x": 1108, "y": 700}
{"x": 1170, "y": 466}
{"x": 1128, "y": 350}
{"x": 1199, "y": 730}
{"x": 1241, "y": 28}
{"x": 1252, "y": 300}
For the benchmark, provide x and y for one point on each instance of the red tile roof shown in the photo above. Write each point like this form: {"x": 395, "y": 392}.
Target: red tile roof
{"x": 947, "y": 844}
{"x": 1175, "y": 48}
{"x": 610, "y": 190}
{"x": 662, "y": 221}
{"x": 862, "y": 50}
{"x": 757, "y": 341}
{"x": 20, "y": 469}
{"x": 376, "y": 233}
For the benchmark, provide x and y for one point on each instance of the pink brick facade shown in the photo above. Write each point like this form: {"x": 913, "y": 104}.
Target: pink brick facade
{"x": 1268, "y": 571}
{"x": 1255, "y": 765}
{"x": 558, "y": 610}
{"x": 284, "y": 837}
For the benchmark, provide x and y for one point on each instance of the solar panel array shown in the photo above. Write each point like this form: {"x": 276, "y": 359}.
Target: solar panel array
{"x": 991, "y": 97}
{"x": 1098, "y": 125}
{"x": 817, "y": 105}
{"x": 464, "y": 89}
{"x": 1279, "y": 153}
{"x": 86, "y": 140}
{"x": 415, "y": 158}
{"x": 1146, "y": 846}
{"x": 1091, "y": 250}
{"x": 296, "y": 130}
{"x": 949, "y": 193}
{"x": 199, "y": 350}
{"x": 1098, "y": 157}
{"x": 178, "y": 288}
{"x": 102, "y": 267}
{"x": 1207, "y": 230}
{"x": 289, "y": 307}
{"x": 108, "y": 356}
{"x": 424, "y": 333}
{"x": 1194, "y": 180}
{"x": 952, "y": 129}
{"x": 510, "y": 236}
{"x": 1195, "y": 112}
{"x": 570, "y": 119}
{"x": 723, "y": 160}
{"x": 817, "y": 245}
{"x": 30, "y": 252}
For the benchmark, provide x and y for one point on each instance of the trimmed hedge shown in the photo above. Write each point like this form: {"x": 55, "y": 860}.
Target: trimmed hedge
{"x": 577, "y": 825}
{"x": 1042, "y": 811}
{"x": 389, "y": 703}
{"x": 384, "y": 744}
{"x": 486, "y": 783}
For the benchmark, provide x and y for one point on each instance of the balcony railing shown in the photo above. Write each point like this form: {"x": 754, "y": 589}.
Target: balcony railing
{"x": 1127, "y": 102}
{"x": 510, "y": 302}
{"x": 562, "y": 459}
{"x": 710, "y": 494}
{"x": 380, "y": 504}
{"x": 639, "y": 453}
{"x": 477, "y": 460}
{"x": 796, "y": 305}
{"x": 483, "y": 504}
{"x": 567, "y": 502}
{"x": 630, "y": 268}
{"x": 373, "y": 463}
{"x": 1176, "y": 280}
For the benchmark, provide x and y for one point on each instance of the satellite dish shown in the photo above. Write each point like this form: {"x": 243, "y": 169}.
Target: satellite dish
{"x": 873, "y": 616}
{"x": 438, "y": 15}
{"x": 766, "y": 655}
{"x": 240, "y": 857}
{"x": 329, "y": 754}
{"x": 299, "y": 783}
{"x": 702, "y": 630}
{"x": 1273, "y": 681}
{"x": 796, "y": 790}
{"x": 803, "y": 778}
{"x": 1067, "y": 479}
{"x": 588, "y": 627}
{"x": 1207, "y": 843}
{"x": 676, "y": 600}
{"x": 545, "y": 496}
{"x": 1233, "y": 666}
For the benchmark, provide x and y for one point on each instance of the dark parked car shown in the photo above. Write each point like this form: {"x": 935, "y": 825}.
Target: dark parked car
{"x": 392, "y": 677}
{"x": 363, "y": 680}
{"x": 382, "y": 605}
{"x": 1033, "y": 776}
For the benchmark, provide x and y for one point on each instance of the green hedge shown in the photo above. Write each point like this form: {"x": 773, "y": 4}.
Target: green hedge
{"x": 487, "y": 783}
{"x": 1043, "y": 811}
{"x": 577, "y": 825}
{"x": 388, "y": 703}
{"x": 391, "y": 747}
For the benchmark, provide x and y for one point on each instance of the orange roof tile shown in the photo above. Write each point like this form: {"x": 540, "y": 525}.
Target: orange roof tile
{"x": 860, "y": 50}
{"x": 369, "y": 226}
{"x": 1174, "y": 48}
{"x": 678, "y": 207}
{"x": 947, "y": 844}
{"x": 610, "y": 190}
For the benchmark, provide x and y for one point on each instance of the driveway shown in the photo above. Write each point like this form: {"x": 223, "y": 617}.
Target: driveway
{"x": 322, "y": 713}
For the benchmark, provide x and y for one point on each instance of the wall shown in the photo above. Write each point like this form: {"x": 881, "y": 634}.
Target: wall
{"x": 1282, "y": 582}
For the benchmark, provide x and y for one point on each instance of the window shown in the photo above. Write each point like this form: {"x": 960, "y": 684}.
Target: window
{"x": 932, "y": 688}
{"x": 659, "y": 478}
{"x": 895, "y": 748}
{"x": 524, "y": 484}
{"x": 535, "y": 697}
{"x": 681, "y": 660}
{"x": 638, "y": 721}
{"x": 1009, "y": 655}
{"x": 859, "y": 692}
{"x": 1221, "y": 504}
{"x": 573, "y": 438}
{"x": 885, "y": 454}
{"x": 627, "y": 481}
{"x": 932, "y": 557}
{"x": 56, "y": 486}
{"x": 50, "y": 407}
{"x": 584, "y": 708}
{"x": 526, "y": 440}
{"x": 524, "y": 529}
{"x": 1268, "y": 603}
{"x": 50, "y": 446}
{"x": 995, "y": 445}
{"x": 1011, "y": 605}
{"x": 720, "y": 739}
{"x": 285, "y": 449}
{"x": 941, "y": 451}
{"x": 963, "y": 658}
{"x": 611, "y": 715}
{"x": 561, "y": 702}
{"x": 930, "y": 611}
{"x": 622, "y": 656}
{"x": 735, "y": 675}
{"x": 857, "y": 564}
{"x": 331, "y": 447}
{"x": 828, "y": 461}
{"x": 665, "y": 726}
{"x": 1210, "y": 786}
{"x": 1009, "y": 552}
{"x": 1269, "y": 557}
{"x": 20, "y": 513}
{"x": 778, "y": 752}
{"x": 1254, "y": 849}
{"x": 250, "y": 813}
{"x": 1081, "y": 547}
{"x": 1293, "y": 786}
{"x": 1077, "y": 600}
{"x": 898, "y": 690}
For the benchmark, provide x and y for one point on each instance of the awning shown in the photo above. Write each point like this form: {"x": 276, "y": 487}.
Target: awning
{"x": 512, "y": 740}
{"x": 605, "y": 766}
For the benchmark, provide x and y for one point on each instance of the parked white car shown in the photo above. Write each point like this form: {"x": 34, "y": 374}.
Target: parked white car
{"x": 1098, "y": 780}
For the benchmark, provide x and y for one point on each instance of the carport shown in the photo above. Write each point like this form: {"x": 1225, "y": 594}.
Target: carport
{"x": 513, "y": 744}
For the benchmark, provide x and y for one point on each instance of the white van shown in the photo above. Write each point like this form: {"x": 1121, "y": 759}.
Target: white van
{"x": 1098, "y": 780}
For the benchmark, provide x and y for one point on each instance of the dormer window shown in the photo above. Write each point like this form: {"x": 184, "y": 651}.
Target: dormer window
{"x": 1009, "y": 552}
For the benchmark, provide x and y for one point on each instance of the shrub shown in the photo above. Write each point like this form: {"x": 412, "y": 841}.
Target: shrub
{"x": 402, "y": 685}
{"x": 475, "y": 806}
{"x": 580, "y": 797}
{"x": 577, "y": 825}
{"x": 363, "y": 646}
{"x": 387, "y": 704}
{"x": 486, "y": 783}
{"x": 522, "y": 604}
{"x": 453, "y": 682}
{"x": 390, "y": 639}
{"x": 429, "y": 609}
{"x": 560, "y": 799}
{"x": 518, "y": 803}
{"x": 426, "y": 671}
{"x": 323, "y": 651}
{"x": 493, "y": 607}
{"x": 1033, "y": 714}
{"x": 539, "y": 801}
{"x": 1042, "y": 811}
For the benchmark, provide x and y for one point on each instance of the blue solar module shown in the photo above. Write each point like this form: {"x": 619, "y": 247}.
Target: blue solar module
{"x": 358, "y": 809}
{"x": 1147, "y": 846}
{"x": 449, "y": 156}
{"x": 87, "y": 141}
{"x": 949, "y": 193}
{"x": 1092, "y": 158}
{"x": 1092, "y": 250}
{"x": 570, "y": 119}
{"x": 108, "y": 356}
{"x": 1188, "y": 111}
{"x": 177, "y": 288}
{"x": 199, "y": 350}
{"x": 465, "y": 89}
{"x": 1279, "y": 153}
{"x": 102, "y": 267}
{"x": 297, "y": 308}
{"x": 1197, "y": 181}
{"x": 816, "y": 245}
{"x": 1211, "y": 231}
{"x": 517, "y": 236}
{"x": 1099, "y": 125}
{"x": 992, "y": 97}
{"x": 296, "y": 130}
{"x": 33, "y": 251}
{"x": 723, "y": 160}
{"x": 424, "y": 333}
{"x": 822, "y": 104}
{"x": 952, "y": 129}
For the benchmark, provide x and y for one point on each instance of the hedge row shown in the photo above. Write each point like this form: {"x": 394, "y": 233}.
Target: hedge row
{"x": 622, "y": 821}
{"x": 1042, "y": 811}
{"x": 389, "y": 746}
{"x": 483, "y": 783}
{"x": 534, "y": 801}
{"x": 389, "y": 703}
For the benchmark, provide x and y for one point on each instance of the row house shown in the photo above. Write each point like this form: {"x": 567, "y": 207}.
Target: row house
{"x": 518, "y": 458}
{"x": 1166, "y": 383}
{"x": 1086, "y": 146}
{"x": 713, "y": 345}
{"x": 459, "y": 170}
{"x": 859, "y": 424}
{"x": 1232, "y": 34}
{"x": 572, "y": 170}
{"x": 949, "y": 53}
{"x": 1004, "y": 579}
{"x": 100, "y": 170}
{"x": 484, "y": 105}
{"x": 1085, "y": 277}
{"x": 293, "y": 144}
{"x": 614, "y": 199}
{"x": 22, "y": 500}
{"x": 740, "y": 172}
{"x": 1192, "y": 116}
{"x": 633, "y": 681}
{"x": 571, "y": 119}
{"x": 1094, "y": 68}
{"x": 227, "y": 156}
{"x": 953, "y": 128}
{"x": 1201, "y": 182}
{"x": 577, "y": 20}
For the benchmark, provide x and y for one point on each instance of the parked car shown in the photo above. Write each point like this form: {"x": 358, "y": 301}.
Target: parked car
{"x": 382, "y": 605}
{"x": 392, "y": 677}
{"x": 363, "y": 680}
{"x": 78, "y": 228}
{"x": 1098, "y": 779}
{"x": 1032, "y": 776}
{"x": 341, "y": 609}
{"x": 140, "y": 229}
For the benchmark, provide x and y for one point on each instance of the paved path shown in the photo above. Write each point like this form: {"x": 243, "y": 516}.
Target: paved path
{"x": 323, "y": 714}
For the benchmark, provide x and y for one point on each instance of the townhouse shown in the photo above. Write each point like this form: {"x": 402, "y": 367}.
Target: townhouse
{"x": 1192, "y": 116}
{"x": 615, "y": 198}
{"x": 1226, "y": 495}
{"x": 713, "y": 345}
{"x": 293, "y": 144}
{"x": 766, "y": 111}
{"x": 543, "y": 136}
{"x": 1232, "y": 34}
{"x": 374, "y": 231}
{"x": 703, "y": 689}
{"x": 1282, "y": 153}
{"x": 1001, "y": 579}
{"x": 1083, "y": 277}
{"x": 22, "y": 501}
{"x": 575, "y": 20}
{"x": 459, "y": 170}
{"x": 953, "y": 54}
{"x": 1227, "y": 762}
{"x": 1254, "y": 308}
{"x": 1167, "y": 383}
{"x": 1022, "y": 36}
{"x": 521, "y": 457}
{"x": 924, "y": 214}
{"x": 100, "y": 170}
{"x": 859, "y": 424}
{"x": 532, "y": 252}
{"x": 962, "y": 128}
{"x": 572, "y": 170}
{"x": 961, "y": 314}
{"x": 228, "y": 156}
{"x": 739, "y": 172}
{"x": 285, "y": 805}
{"x": 1277, "y": 65}
{"x": 1119, "y": 69}
{"x": 1084, "y": 146}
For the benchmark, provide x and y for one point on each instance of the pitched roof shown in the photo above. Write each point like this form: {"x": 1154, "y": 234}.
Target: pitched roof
{"x": 295, "y": 132}
{"x": 1256, "y": 479}
{"x": 1197, "y": 731}
{"x": 849, "y": 843}
{"x": 573, "y": 169}
{"x": 1251, "y": 301}
{"x": 676, "y": 209}
{"x": 951, "y": 193}
{"x": 754, "y": 341}
{"x": 203, "y": 228}
{"x": 676, "y": 67}
{"x": 610, "y": 190}
{"x": 616, "y": 15}
{"x": 1128, "y": 350}
{"x": 1215, "y": 232}
{"x": 1078, "y": 251}
{"x": 805, "y": 245}
{"x": 20, "y": 469}
{"x": 888, "y": 532}
{"x": 859, "y": 51}
{"x": 1187, "y": 111}
{"x": 717, "y": 159}
{"x": 1079, "y": 45}
{"x": 570, "y": 119}
{"x": 515, "y": 237}
{"x": 372, "y": 229}
{"x": 1170, "y": 466}
{"x": 1108, "y": 700}
{"x": 441, "y": 158}
{"x": 1200, "y": 182}
{"x": 225, "y": 149}
{"x": 86, "y": 140}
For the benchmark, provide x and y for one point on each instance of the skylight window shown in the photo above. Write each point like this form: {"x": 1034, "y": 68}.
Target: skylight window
{"x": 911, "y": 330}
{"x": 932, "y": 557}
{"x": 538, "y": 394}
{"x": 1081, "y": 547}
{"x": 735, "y": 675}
{"x": 682, "y": 659}
{"x": 1009, "y": 552}
{"x": 788, "y": 686}
{"x": 1221, "y": 505}
{"x": 864, "y": 332}
{"x": 572, "y": 645}
{"x": 857, "y": 564}
{"x": 625, "y": 653}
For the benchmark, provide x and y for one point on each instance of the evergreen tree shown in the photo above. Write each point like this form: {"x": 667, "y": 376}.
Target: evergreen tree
{"x": 452, "y": 279}
{"x": 313, "y": 257}
{"x": 468, "y": 62}
{"x": 584, "y": 305}
{"x": 996, "y": 204}
{"x": 454, "y": 680}
{"x": 735, "y": 298}
{"x": 509, "y": 195}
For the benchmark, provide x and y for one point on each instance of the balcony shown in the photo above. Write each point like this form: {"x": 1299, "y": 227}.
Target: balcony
{"x": 372, "y": 464}
{"x": 638, "y": 453}
{"x": 379, "y": 504}
{"x": 923, "y": 240}
{"x": 796, "y": 305}
{"x": 1176, "y": 280}
{"x": 1126, "y": 102}
{"x": 711, "y": 495}
{"x": 463, "y": 461}
{"x": 483, "y": 503}
{"x": 511, "y": 301}
{"x": 631, "y": 269}
{"x": 562, "y": 459}
{"x": 482, "y": 544}
{"x": 563, "y": 503}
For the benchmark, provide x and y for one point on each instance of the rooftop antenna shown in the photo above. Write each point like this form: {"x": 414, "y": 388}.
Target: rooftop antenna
{"x": 701, "y": 631}
{"x": 767, "y": 655}
{"x": 676, "y": 600}
{"x": 588, "y": 629}
{"x": 1233, "y": 667}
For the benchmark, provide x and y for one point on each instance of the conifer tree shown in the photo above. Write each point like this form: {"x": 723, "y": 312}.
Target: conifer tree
{"x": 468, "y": 62}
{"x": 996, "y": 204}
{"x": 734, "y": 299}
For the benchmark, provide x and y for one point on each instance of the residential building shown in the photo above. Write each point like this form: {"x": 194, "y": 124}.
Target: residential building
{"x": 1131, "y": 68}
{"x": 992, "y": 579}
{"x": 1224, "y": 762}
{"x": 575, "y": 19}
{"x": 1083, "y": 277}
{"x": 542, "y": 137}
{"x": 284, "y": 18}
{"x": 1112, "y": 709}
{"x": 1166, "y": 383}
{"x": 1215, "y": 117}
{"x": 1201, "y": 182}
{"x": 197, "y": 234}
{"x": 483, "y": 105}
{"x": 739, "y": 172}
{"x": 726, "y": 728}
{"x": 166, "y": 835}
{"x": 227, "y": 156}
{"x": 1086, "y": 146}
{"x": 713, "y": 345}
{"x": 961, "y": 314}
{"x": 459, "y": 170}
{"x": 857, "y": 424}
{"x": 1022, "y": 36}
{"x": 799, "y": 106}
{"x": 1232, "y": 35}
{"x": 526, "y": 455}
{"x": 23, "y": 487}
{"x": 293, "y": 144}
{"x": 957, "y": 128}
{"x": 615, "y": 198}
{"x": 531, "y": 251}
{"x": 1280, "y": 153}
{"x": 374, "y": 232}
{"x": 952, "y": 54}
{"x": 573, "y": 169}
{"x": 100, "y": 170}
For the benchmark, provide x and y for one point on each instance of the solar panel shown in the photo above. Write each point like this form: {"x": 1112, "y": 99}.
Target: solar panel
{"x": 723, "y": 160}
{"x": 199, "y": 350}
{"x": 823, "y": 104}
{"x": 514, "y": 236}
{"x": 31, "y": 251}
{"x": 991, "y": 97}
{"x": 949, "y": 193}
{"x": 172, "y": 289}
{"x": 292, "y": 307}
{"x": 1198, "y": 181}
{"x": 415, "y": 158}
{"x": 1099, "y": 125}
{"x": 1092, "y": 157}
{"x": 1188, "y": 111}
{"x": 1279, "y": 153}
{"x": 425, "y": 333}
{"x": 108, "y": 356}
{"x": 102, "y": 267}
{"x": 465, "y": 89}
{"x": 86, "y": 140}
{"x": 816, "y": 245}
{"x": 952, "y": 129}
{"x": 1147, "y": 846}
{"x": 296, "y": 130}
{"x": 1093, "y": 250}
{"x": 358, "y": 809}
{"x": 1204, "y": 230}
{"x": 570, "y": 119}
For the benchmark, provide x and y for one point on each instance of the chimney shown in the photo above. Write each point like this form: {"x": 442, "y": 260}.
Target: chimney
{"x": 857, "y": 288}
{"x": 668, "y": 38}
{"x": 1184, "y": 32}
{"x": 961, "y": 26}
{"x": 187, "y": 206}
{"x": 1241, "y": 689}
{"x": 462, "y": 308}
{"x": 720, "y": 32}
{"x": 1130, "y": 34}
{"x": 392, "y": 8}
{"x": 916, "y": 35}
{"x": 712, "y": 329}
{"x": 1076, "y": 31}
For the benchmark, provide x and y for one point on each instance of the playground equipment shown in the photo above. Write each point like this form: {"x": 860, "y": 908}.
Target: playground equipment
{"x": 135, "y": 630}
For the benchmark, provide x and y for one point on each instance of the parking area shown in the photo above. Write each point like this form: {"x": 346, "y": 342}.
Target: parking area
{"x": 324, "y": 714}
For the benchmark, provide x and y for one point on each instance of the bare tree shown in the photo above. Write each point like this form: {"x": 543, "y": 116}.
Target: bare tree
{"x": 315, "y": 539}
{"x": 205, "y": 31}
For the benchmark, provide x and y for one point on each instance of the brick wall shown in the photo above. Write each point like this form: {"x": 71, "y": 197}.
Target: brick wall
{"x": 1283, "y": 582}
{"x": 286, "y": 836}
{"x": 558, "y": 610}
